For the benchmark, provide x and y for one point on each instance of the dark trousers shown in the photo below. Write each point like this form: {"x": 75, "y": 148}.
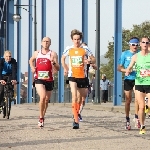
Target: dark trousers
{"x": 93, "y": 94}
{"x": 105, "y": 95}
{"x": 1, "y": 94}
{"x": 10, "y": 87}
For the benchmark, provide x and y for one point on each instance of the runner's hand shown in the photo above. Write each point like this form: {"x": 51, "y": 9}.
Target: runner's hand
{"x": 128, "y": 72}
{"x": 65, "y": 72}
{"x": 2, "y": 82}
{"x": 33, "y": 69}
{"x": 14, "y": 82}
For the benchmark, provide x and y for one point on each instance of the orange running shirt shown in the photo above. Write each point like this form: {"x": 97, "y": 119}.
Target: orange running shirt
{"x": 76, "y": 60}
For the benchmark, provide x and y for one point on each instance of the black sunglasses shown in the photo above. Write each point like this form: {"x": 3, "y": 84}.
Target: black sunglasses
{"x": 145, "y": 42}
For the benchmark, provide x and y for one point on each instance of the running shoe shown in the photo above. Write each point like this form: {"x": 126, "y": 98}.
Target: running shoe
{"x": 75, "y": 125}
{"x": 127, "y": 127}
{"x": 80, "y": 118}
{"x": 137, "y": 123}
{"x": 142, "y": 130}
{"x": 41, "y": 122}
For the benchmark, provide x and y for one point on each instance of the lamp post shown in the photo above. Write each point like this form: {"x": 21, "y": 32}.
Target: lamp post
{"x": 17, "y": 18}
{"x": 4, "y": 36}
{"x": 97, "y": 86}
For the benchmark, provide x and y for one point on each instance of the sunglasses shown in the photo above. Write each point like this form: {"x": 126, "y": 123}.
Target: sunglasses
{"x": 134, "y": 44}
{"x": 145, "y": 42}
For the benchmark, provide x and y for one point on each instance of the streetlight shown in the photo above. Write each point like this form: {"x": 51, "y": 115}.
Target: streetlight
{"x": 97, "y": 85}
{"x": 5, "y": 44}
{"x": 17, "y": 18}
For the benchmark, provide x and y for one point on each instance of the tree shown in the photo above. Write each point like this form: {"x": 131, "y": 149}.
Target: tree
{"x": 137, "y": 31}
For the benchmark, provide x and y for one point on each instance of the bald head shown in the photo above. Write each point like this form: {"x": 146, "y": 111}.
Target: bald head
{"x": 46, "y": 42}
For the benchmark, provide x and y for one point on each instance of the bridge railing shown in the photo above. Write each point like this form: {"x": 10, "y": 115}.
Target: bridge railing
{"x": 68, "y": 97}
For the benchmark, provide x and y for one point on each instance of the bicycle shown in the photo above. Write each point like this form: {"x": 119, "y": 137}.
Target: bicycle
{"x": 8, "y": 97}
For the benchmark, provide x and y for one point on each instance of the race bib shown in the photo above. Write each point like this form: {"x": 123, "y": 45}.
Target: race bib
{"x": 43, "y": 74}
{"x": 144, "y": 73}
{"x": 76, "y": 61}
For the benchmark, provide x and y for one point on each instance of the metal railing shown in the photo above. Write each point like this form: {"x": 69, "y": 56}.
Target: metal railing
{"x": 68, "y": 97}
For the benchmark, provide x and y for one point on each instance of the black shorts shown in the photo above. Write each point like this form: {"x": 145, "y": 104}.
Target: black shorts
{"x": 128, "y": 84}
{"x": 48, "y": 84}
{"x": 81, "y": 82}
{"x": 143, "y": 88}
{"x": 87, "y": 83}
{"x": 67, "y": 81}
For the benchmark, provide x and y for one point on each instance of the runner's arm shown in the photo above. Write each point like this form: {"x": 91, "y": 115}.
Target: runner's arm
{"x": 63, "y": 58}
{"x": 94, "y": 66}
{"x": 64, "y": 65}
{"x": 55, "y": 64}
{"x": 90, "y": 54}
{"x": 132, "y": 63}
{"x": 32, "y": 59}
{"x": 121, "y": 63}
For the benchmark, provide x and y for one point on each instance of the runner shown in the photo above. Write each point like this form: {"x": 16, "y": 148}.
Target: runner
{"x": 142, "y": 80}
{"x": 129, "y": 81}
{"x": 87, "y": 66}
{"x": 46, "y": 61}
{"x": 76, "y": 73}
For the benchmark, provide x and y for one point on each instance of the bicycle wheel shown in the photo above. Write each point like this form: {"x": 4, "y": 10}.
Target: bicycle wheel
{"x": 4, "y": 108}
{"x": 9, "y": 107}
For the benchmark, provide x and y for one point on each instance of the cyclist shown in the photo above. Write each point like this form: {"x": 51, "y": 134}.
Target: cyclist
{"x": 8, "y": 71}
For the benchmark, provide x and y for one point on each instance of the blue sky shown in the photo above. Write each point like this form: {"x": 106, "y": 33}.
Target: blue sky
{"x": 134, "y": 12}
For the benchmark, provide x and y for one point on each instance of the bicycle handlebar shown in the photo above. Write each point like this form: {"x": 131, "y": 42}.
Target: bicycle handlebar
{"x": 9, "y": 83}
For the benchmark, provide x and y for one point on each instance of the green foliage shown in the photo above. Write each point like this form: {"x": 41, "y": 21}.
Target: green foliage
{"x": 137, "y": 31}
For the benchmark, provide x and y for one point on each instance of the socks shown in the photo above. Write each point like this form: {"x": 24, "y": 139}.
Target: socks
{"x": 142, "y": 126}
{"x": 136, "y": 116}
{"x": 75, "y": 111}
{"x": 128, "y": 119}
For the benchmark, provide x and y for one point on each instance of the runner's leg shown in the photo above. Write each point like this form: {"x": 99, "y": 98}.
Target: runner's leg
{"x": 75, "y": 107}
{"x": 141, "y": 102}
{"x": 42, "y": 94}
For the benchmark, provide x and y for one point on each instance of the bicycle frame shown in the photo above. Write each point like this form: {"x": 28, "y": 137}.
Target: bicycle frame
{"x": 8, "y": 96}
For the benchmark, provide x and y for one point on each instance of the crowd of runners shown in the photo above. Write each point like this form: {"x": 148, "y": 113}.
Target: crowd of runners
{"x": 134, "y": 63}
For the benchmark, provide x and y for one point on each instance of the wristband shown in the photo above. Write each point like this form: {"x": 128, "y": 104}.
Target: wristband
{"x": 54, "y": 63}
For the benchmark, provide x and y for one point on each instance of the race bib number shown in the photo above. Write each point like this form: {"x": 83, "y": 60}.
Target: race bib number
{"x": 43, "y": 74}
{"x": 76, "y": 61}
{"x": 144, "y": 73}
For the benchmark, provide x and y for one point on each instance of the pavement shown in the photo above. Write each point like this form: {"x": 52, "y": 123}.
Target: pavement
{"x": 102, "y": 129}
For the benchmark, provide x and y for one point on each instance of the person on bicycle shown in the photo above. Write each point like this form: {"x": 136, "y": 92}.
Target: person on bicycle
{"x": 8, "y": 72}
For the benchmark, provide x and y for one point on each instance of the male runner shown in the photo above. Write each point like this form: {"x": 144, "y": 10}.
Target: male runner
{"x": 76, "y": 73}
{"x": 142, "y": 80}
{"x": 129, "y": 81}
{"x": 46, "y": 61}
